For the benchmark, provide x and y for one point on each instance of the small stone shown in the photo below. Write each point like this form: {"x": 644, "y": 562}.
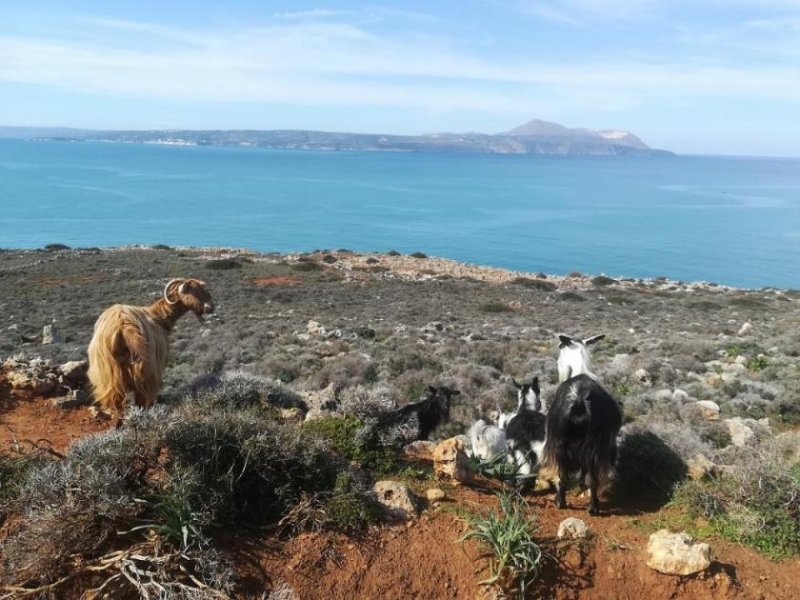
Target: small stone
{"x": 643, "y": 377}
{"x": 677, "y": 553}
{"x": 50, "y": 334}
{"x": 397, "y": 499}
{"x": 745, "y": 328}
{"x": 73, "y": 399}
{"x": 434, "y": 494}
{"x": 572, "y": 528}
{"x": 679, "y": 395}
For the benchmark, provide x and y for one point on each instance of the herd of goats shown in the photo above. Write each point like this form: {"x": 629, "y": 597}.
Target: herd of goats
{"x": 577, "y": 434}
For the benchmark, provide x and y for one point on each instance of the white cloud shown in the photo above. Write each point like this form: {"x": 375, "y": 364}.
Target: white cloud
{"x": 327, "y": 63}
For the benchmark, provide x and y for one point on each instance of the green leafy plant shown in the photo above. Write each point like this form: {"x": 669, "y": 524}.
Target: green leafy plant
{"x": 506, "y": 535}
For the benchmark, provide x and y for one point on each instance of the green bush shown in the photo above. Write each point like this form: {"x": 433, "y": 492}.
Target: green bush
{"x": 350, "y": 508}
{"x": 223, "y": 264}
{"x": 352, "y": 439}
{"x": 418, "y": 255}
{"x": 56, "y": 247}
{"x": 757, "y": 504}
{"x": 495, "y": 307}
{"x": 506, "y": 536}
{"x": 602, "y": 281}
{"x": 535, "y": 284}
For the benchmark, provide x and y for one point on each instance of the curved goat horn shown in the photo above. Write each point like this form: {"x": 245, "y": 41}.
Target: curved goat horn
{"x": 166, "y": 287}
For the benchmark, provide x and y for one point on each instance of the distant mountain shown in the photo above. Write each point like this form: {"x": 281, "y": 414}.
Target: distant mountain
{"x": 535, "y": 137}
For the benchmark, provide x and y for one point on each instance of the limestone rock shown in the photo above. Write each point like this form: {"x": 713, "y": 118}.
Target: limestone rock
{"x": 419, "y": 450}
{"x": 700, "y": 467}
{"x": 643, "y": 377}
{"x": 36, "y": 375}
{"x": 291, "y": 415}
{"x": 74, "y": 372}
{"x": 72, "y": 399}
{"x": 740, "y": 431}
{"x": 572, "y": 528}
{"x": 321, "y": 403}
{"x": 677, "y": 553}
{"x": 745, "y": 328}
{"x": 50, "y": 334}
{"x": 450, "y": 460}
{"x": 397, "y": 499}
{"x": 709, "y": 409}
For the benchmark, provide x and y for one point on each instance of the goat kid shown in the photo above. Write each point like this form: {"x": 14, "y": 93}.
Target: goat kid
{"x": 526, "y": 432}
{"x": 430, "y": 412}
{"x": 582, "y": 424}
{"x": 129, "y": 348}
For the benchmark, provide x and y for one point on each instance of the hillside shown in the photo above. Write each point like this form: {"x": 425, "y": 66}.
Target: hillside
{"x": 536, "y": 137}
{"x": 252, "y": 475}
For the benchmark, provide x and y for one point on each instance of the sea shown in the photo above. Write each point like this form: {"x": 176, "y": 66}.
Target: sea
{"x": 733, "y": 221}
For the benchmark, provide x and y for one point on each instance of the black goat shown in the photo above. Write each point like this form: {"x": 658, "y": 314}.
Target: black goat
{"x": 582, "y": 427}
{"x": 430, "y": 412}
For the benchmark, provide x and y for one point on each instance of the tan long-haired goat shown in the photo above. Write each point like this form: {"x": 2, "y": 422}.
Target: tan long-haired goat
{"x": 129, "y": 348}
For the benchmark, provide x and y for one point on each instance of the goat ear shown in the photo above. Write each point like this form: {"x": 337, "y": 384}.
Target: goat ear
{"x": 455, "y": 393}
{"x": 432, "y": 389}
{"x": 535, "y": 385}
{"x": 516, "y": 384}
{"x": 593, "y": 339}
{"x": 564, "y": 340}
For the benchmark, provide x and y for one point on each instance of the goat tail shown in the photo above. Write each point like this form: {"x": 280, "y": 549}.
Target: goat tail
{"x": 106, "y": 376}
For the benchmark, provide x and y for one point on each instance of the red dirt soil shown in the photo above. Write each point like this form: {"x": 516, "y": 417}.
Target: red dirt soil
{"x": 27, "y": 420}
{"x": 424, "y": 560}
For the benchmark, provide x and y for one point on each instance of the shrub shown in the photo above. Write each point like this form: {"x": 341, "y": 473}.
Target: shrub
{"x": 495, "y": 307}
{"x": 242, "y": 390}
{"x": 306, "y": 266}
{"x": 572, "y": 297}
{"x": 56, "y": 247}
{"x": 364, "y": 403}
{"x": 245, "y": 467}
{"x": 535, "y": 284}
{"x": 161, "y": 247}
{"x": 757, "y": 504}
{"x": 515, "y": 559}
{"x": 223, "y": 264}
{"x": 350, "y": 508}
{"x": 602, "y": 281}
{"x": 418, "y": 255}
{"x": 365, "y": 443}
{"x": 647, "y": 466}
{"x": 329, "y": 259}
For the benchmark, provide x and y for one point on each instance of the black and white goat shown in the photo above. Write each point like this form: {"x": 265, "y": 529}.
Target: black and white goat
{"x": 430, "y": 412}
{"x": 582, "y": 423}
{"x": 526, "y": 431}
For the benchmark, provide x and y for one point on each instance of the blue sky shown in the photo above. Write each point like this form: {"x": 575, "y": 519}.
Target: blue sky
{"x": 702, "y": 76}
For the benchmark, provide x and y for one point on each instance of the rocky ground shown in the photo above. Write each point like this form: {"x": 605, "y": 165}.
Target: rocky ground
{"x": 712, "y": 372}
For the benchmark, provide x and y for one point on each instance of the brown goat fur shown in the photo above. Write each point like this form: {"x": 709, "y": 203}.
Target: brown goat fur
{"x": 130, "y": 345}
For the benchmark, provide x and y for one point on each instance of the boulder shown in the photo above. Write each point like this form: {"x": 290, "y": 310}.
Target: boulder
{"x": 677, "y": 553}
{"x": 450, "y": 460}
{"x": 419, "y": 450}
{"x": 740, "y": 431}
{"x": 745, "y": 329}
{"x": 397, "y": 499}
{"x": 36, "y": 375}
{"x": 700, "y": 467}
{"x": 679, "y": 395}
{"x": 572, "y": 528}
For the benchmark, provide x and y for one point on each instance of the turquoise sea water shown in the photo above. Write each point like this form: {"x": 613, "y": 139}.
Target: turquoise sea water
{"x": 729, "y": 220}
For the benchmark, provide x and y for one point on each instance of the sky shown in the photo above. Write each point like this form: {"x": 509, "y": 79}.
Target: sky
{"x": 692, "y": 76}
